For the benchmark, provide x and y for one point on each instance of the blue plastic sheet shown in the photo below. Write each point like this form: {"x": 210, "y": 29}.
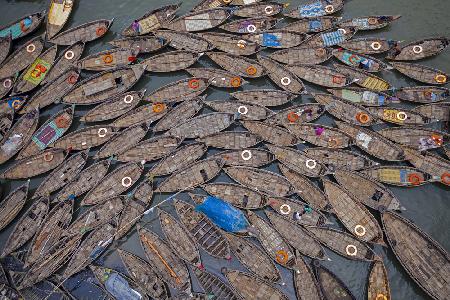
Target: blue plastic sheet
{"x": 332, "y": 38}
{"x": 270, "y": 40}
{"x": 223, "y": 214}
{"x": 120, "y": 288}
{"x": 311, "y": 10}
{"x": 315, "y": 25}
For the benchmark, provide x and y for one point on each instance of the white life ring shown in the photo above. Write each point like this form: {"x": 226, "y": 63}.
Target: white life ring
{"x": 241, "y": 44}
{"x": 375, "y": 46}
{"x": 342, "y": 30}
{"x": 7, "y": 83}
{"x": 311, "y": 163}
{"x": 417, "y": 49}
{"x": 360, "y": 230}
{"x": 353, "y": 252}
{"x": 102, "y": 132}
{"x": 243, "y": 110}
{"x": 31, "y": 48}
{"x": 251, "y": 28}
{"x": 246, "y": 155}
{"x": 128, "y": 99}
{"x": 268, "y": 10}
{"x": 69, "y": 55}
{"x": 285, "y": 209}
{"x": 285, "y": 81}
{"x": 402, "y": 116}
{"x": 127, "y": 181}
{"x": 329, "y": 9}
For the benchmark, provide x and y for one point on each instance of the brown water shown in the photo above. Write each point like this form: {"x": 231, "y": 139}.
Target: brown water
{"x": 428, "y": 206}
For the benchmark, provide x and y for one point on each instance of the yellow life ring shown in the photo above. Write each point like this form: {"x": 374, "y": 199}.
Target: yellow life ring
{"x": 251, "y": 70}
{"x": 158, "y": 107}
{"x": 440, "y": 78}
{"x": 402, "y": 116}
{"x": 16, "y": 104}
{"x": 108, "y": 58}
{"x": 381, "y": 297}
{"x": 235, "y": 82}
{"x": 363, "y": 118}
{"x": 360, "y": 230}
{"x": 281, "y": 257}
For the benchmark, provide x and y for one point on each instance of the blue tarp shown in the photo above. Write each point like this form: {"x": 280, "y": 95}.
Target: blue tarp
{"x": 315, "y": 9}
{"x": 270, "y": 40}
{"x": 223, "y": 214}
{"x": 120, "y": 288}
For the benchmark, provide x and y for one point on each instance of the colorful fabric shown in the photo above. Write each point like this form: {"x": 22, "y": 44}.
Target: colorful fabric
{"x": 315, "y": 9}
{"x": 15, "y": 102}
{"x": 16, "y": 30}
{"x": 351, "y": 59}
{"x": 36, "y": 73}
{"x": 271, "y": 40}
{"x": 47, "y": 135}
{"x": 315, "y": 25}
{"x": 332, "y": 38}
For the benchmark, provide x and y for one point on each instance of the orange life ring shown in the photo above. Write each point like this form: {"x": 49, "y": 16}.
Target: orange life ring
{"x": 281, "y": 257}
{"x": 48, "y": 157}
{"x": 292, "y": 117}
{"x": 438, "y": 139}
{"x": 427, "y": 93}
{"x": 108, "y": 58}
{"x": 16, "y": 104}
{"x": 440, "y": 78}
{"x": 362, "y": 117}
{"x": 62, "y": 122}
{"x": 100, "y": 31}
{"x": 445, "y": 178}
{"x": 72, "y": 79}
{"x": 381, "y": 297}
{"x": 372, "y": 21}
{"x": 338, "y": 79}
{"x": 332, "y": 143}
{"x": 251, "y": 70}
{"x": 414, "y": 179}
{"x": 194, "y": 84}
{"x": 320, "y": 52}
{"x": 158, "y": 107}
{"x": 235, "y": 82}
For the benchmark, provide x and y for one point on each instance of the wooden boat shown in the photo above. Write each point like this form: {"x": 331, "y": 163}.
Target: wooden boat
{"x": 23, "y": 26}
{"x": 100, "y": 87}
{"x": 364, "y": 97}
{"x": 6, "y": 84}
{"x": 421, "y": 73}
{"x": 180, "y": 239}
{"x": 353, "y": 215}
{"x": 251, "y": 287}
{"x": 200, "y": 20}
{"x": 238, "y": 65}
{"x": 299, "y": 113}
{"x": 347, "y": 111}
{"x": 278, "y": 38}
{"x": 372, "y": 142}
{"x": 150, "y": 149}
{"x": 315, "y": 9}
{"x": 419, "y": 49}
{"x": 54, "y": 128}
{"x": 272, "y": 242}
{"x": 13, "y": 204}
{"x": 63, "y": 174}
{"x": 164, "y": 261}
{"x": 398, "y": 175}
{"x": 115, "y": 107}
{"x": 331, "y": 285}
{"x": 297, "y": 211}
{"x": 370, "y": 22}
{"x": 27, "y": 226}
{"x": 296, "y": 236}
{"x": 340, "y": 159}
{"x": 86, "y": 32}
{"x": 368, "y": 45}
{"x": 107, "y": 60}
{"x": 49, "y": 233}
{"x": 378, "y": 281}
{"x": 250, "y": 25}
{"x": 185, "y": 41}
{"x": 84, "y": 181}
{"x": 171, "y": 61}
{"x": 213, "y": 285}
{"x": 52, "y": 92}
{"x": 238, "y": 195}
{"x": 152, "y": 20}
{"x": 35, "y": 165}
{"x": 122, "y": 141}
{"x": 422, "y": 94}
{"x": 399, "y": 116}
{"x": 58, "y": 14}
{"x": 436, "y": 112}
{"x": 303, "y": 187}
{"x": 12, "y": 104}
{"x": 202, "y": 125}
{"x": 283, "y": 77}
{"x": 191, "y": 176}
{"x": 144, "y": 114}
{"x": 178, "y": 159}
{"x": 360, "y": 61}
{"x": 208, "y": 4}
{"x": 90, "y": 249}
{"x": 179, "y": 114}
{"x": 365, "y": 79}
{"x": 253, "y": 258}
{"x": 321, "y": 75}
{"x": 417, "y": 138}
{"x": 96, "y": 216}
{"x": 331, "y": 37}
{"x": 6, "y": 121}
{"x": 21, "y": 58}
{"x": 231, "y": 140}
{"x": 64, "y": 62}
{"x": 142, "y": 273}
{"x": 261, "y": 180}
{"x": 258, "y": 9}
{"x": 305, "y": 283}
{"x": 301, "y": 55}
{"x": 320, "y": 135}
{"x": 298, "y": 161}
{"x": 312, "y": 25}
{"x": 341, "y": 242}
{"x": 270, "y": 133}
{"x": 265, "y": 97}
{"x": 36, "y": 72}
{"x": 246, "y": 157}
{"x": 207, "y": 235}
{"x": 178, "y": 91}
{"x": 409, "y": 243}
{"x": 218, "y": 77}
{"x": 85, "y": 138}
{"x": 140, "y": 44}
{"x": 5, "y": 47}
{"x": 109, "y": 186}
{"x": 230, "y": 43}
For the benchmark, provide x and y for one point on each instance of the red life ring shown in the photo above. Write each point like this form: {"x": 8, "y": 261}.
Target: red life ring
{"x": 72, "y": 79}
{"x": 194, "y": 84}
{"x": 445, "y": 178}
{"x": 414, "y": 179}
{"x": 100, "y": 31}
{"x": 292, "y": 117}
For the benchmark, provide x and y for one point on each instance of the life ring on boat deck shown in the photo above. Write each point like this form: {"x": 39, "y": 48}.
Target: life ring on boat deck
{"x": 329, "y": 9}
{"x": 338, "y": 79}
{"x": 16, "y": 104}
{"x": 402, "y": 116}
{"x": 235, "y": 82}
{"x": 445, "y": 178}
{"x": 62, "y": 122}
{"x": 320, "y": 52}
{"x": 268, "y": 10}
{"x": 227, "y": 1}
{"x": 417, "y": 49}
{"x": 251, "y": 70}
{"x": 292, "y": 117}
{"x": 427, "y": 94}
{"x": 310, "y": 163}
{"x": 100, "y": 31}
{"x": 414, "y": 179}
{"x": 72, "y": 79}
{"x": 126, "y": 181}
{"x": 332, "y": 143}
{"x": 108, "y": 58}
{"x": 243, "y": 110}
{"x": 438, "y": 139}
{"x": 285, "y": 81}
{"x": 381, "y": 297}
{"x": 31, "y": 48}
{"x": 128, "y": 99}
{"x": 158, "y": 107}
{"x": 48, "y": 157}
{"x": 285, "y": 209}
{"x": 69, "y": 55}
{"x": 102, "y": 132}
{"x": 246, "y": 155}
{"x": 375, "y": 46}
{"x": 372, "y": 21}
{"x": 363, "y": 118}
{"x": 241, "y": 44}
{"x": 281, "y": 256}
{"x": 360, "y": 230}
{"x": 194, "y": 84}
{"x": 342, "y": 30}
{"x": 353, "y": 59}
{"x": 440, "y": 78}
{"x": 7, "y": 83}
{"x": 353, "y": 252}
{"x": 251, "y": 28}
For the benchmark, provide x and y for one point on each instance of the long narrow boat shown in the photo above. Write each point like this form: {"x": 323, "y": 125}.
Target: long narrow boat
{"x": 86, "y": 32}
{"x": 411, "y": 246}
{"x": 164, "y": 261}
{"x": 23, "y": 26}
{"x": 201, "y": 20}
{"x": 365, "y": 79}
{"x": 419, "y": 49}
{"x": 421, "y": 73}
{"x": 180, "y": 113}
{"x": 230, "y": 43}
{"x": 312, "y": 25}
{"x": 340, "y": 159}
{"x": 321, "y": 75}
{"x": 107, "y": 60}
{"x": 363, "y": 96}
{"x": 85, "y": 138}
{"x": 250, "y": 25}
{"x": 13, "y": 204}
{"x": 370, "y": 22}
{"x": 218, "y": 77}
{"x": 278, "y": 38}
{"x": 360, "y": 61}
{"x": 150, "y": 149}
{"x": 185, "y": 41}
{"x": 436, "y": 112}
{"x": 300, "y": 113}
{"x": 140, "y": 44}
{"x": 238, "y": 195}
{"x": 320, "y": 135}
{"x": 202, "y": 125}
{"x": 305, "y": 283}
{"x": 258, "y": 9}
{"x": 302, "y": 55}
{"x": 215, "y": 286}
{"x": 398, "y": 175}
{"x": 144, "y": 114}
{"x": 5, "y": 47}
{"x": 369, "y": 45}
{"x": 6, "y": 122}
{"x": 58, "y": 14}
{"x": 297, "y": 211}
{"x": 238, "y": 65}
{"x": 178, "y": 91}
{"x": 265, "y": 97}
{"x": 231, "y": 140}
{"x": 315, "y": 9}
{"x": 330, "y": 37}
{"x": 331, "y": 285}
{"x": 417, "y": 138}
{"x": 171, "y": 61}
{"x": 270, "y": 133}
{"x": 378, "y": 281}
{"x": 246, "y": 157}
